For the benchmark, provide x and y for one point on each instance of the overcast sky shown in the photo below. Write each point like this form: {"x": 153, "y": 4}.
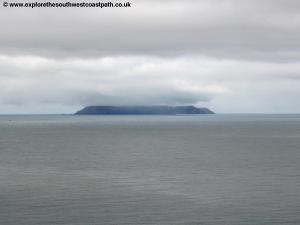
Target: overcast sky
{"x": 233, "y": 56}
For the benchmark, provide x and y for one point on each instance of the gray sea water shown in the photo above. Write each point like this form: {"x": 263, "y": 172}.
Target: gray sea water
{"x": 162, "y": 170}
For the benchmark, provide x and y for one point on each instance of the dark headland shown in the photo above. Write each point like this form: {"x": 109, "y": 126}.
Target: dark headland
{"x": 142, "y": 110}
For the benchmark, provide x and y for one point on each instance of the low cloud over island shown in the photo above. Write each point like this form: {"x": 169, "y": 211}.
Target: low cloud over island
{"x": 230, "y": 56}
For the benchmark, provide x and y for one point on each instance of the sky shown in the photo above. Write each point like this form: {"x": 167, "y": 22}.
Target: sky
{"x": 232, "y": 56}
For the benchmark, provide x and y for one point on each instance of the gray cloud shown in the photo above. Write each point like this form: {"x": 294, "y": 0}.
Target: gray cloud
{"x": 233, "y": 56}
{"x": 225, "y": 85}
{"x": 120, "y": 80}
{"x": 256, "y": 30}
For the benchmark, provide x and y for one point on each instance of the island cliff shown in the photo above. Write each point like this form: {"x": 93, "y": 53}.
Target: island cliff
{"x": 142, "y": 110}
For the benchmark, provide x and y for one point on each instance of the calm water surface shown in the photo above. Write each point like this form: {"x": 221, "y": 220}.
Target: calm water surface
{"x": 162, "y": 170}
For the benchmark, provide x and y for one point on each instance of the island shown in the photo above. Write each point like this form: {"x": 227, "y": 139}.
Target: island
{"x": 142, "y": 110}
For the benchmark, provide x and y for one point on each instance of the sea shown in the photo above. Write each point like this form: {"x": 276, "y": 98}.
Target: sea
{"x": 150, "y": 170}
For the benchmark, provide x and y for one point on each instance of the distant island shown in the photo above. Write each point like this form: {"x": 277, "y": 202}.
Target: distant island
{"x": 142, "y": 110}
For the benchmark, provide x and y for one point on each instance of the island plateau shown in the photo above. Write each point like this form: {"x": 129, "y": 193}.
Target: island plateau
{"x": 142, "y": 110}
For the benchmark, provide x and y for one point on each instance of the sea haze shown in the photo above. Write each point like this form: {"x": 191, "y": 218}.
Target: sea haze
{"x": 162, "y": 170}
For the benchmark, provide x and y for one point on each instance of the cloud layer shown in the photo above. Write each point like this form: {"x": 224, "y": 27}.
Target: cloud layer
{"x": 233, "y": 56}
